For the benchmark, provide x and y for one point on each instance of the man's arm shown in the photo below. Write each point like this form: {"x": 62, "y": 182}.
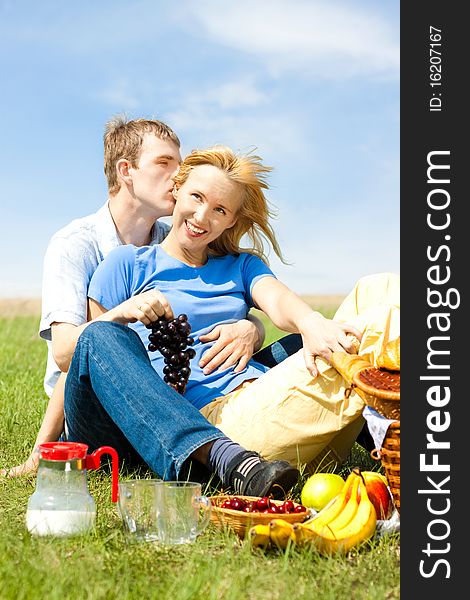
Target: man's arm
{"x": 69, "y": 263}
{"x": 235, "y": 344}
{"x": 146, "y": 308}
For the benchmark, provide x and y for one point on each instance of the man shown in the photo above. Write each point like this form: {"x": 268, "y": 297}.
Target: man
{"x": 140, "y": 158}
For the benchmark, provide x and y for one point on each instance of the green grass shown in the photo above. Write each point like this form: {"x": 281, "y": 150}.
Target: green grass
{"x": 103, "y": 565}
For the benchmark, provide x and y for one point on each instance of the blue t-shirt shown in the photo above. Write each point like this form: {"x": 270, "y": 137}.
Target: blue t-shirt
{"x": 218, "y": 292}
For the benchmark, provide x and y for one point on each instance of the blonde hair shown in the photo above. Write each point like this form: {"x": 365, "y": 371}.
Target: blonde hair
{"x": 248, "y": 172}
{"x": 123, "y": 138}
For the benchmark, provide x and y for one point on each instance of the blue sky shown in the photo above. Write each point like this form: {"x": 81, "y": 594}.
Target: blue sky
{"x": 312, "y": 85}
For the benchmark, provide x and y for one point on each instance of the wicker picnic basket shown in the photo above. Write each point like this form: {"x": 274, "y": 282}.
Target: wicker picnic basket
{"x": 389, "y": 454}
{"x": 240, "y": 522}
{"x": 380, "y": 389}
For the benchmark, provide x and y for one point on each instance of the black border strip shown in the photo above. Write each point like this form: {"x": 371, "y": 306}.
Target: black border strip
{"x": 434, "y": 250}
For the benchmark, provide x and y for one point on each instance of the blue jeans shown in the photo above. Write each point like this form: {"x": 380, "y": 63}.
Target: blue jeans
{"x": 114, "y": 397}
{"x": 279, "y": 351}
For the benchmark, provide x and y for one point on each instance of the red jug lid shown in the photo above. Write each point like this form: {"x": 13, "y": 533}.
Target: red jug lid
{"x": 62, "y": 450}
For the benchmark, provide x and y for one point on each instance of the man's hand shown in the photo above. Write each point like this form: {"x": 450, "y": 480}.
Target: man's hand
{"x": 235, "y": 344}
{"x": 29, "y": 466}
{"x": 323, "y": 336}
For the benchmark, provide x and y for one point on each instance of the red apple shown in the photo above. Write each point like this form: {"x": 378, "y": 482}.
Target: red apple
{"x": 379, "y": 494}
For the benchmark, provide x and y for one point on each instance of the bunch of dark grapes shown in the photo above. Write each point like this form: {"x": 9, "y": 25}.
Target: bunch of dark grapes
{"x": 171, "y": 338}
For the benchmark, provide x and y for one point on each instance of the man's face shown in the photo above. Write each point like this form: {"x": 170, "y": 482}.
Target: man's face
{"x": 152, "y": 179}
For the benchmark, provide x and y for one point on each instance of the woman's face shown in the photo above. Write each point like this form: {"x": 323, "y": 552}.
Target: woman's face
{"x": 206, "y": 205}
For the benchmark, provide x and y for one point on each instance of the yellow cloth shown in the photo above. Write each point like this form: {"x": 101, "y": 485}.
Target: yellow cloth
{"x": 287, "y": 414}
{"x": 373, "y": 306}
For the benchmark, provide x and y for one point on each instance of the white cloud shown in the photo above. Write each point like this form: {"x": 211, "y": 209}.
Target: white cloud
{"x": 218, "y": 115}
{"x": 331, "y": 39}
{"x": 235, "y": 94}
{"x": 239, "y": 114}
{"x": 229, "y": 96}
{"x": 209, "y": 125}
{"x": 120, "y": 93}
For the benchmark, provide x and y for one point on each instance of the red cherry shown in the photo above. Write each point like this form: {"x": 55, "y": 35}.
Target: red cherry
{"x": 299, "y": 508}
{"x": 288, "y": 506}
{"x": 281, "y": 509}
{"x": 248, "y": 509}
{"x": 273, "y": 509}
{"x": 237, "y": 504}
{"x": 263, "y": 503}
{"x": 225, "y": 504}
{"x": 251, "y": 504}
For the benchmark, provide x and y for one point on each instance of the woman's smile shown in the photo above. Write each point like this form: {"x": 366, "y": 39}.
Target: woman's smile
{"x": 193, "y": 230}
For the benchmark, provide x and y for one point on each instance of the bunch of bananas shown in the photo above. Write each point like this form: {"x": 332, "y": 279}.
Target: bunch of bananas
{"x": 345, "y": 522}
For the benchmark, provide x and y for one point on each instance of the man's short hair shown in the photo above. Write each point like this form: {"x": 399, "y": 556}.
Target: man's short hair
{"x": 123, "y": 138}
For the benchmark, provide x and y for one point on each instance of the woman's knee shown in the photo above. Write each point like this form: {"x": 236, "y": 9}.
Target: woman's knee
{"x": 101, "y": 333}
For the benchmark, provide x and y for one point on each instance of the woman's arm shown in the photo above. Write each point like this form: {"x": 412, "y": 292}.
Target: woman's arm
{"x": 290, "y": 313}
{"x": 146, "y": 307}
{"x": 51, "y": 429}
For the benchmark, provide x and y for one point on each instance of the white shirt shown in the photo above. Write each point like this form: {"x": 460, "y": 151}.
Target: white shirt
{"x": 71, "y": 258}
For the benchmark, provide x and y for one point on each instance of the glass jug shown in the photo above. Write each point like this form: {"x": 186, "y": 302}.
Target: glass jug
{"x": 61, "y": 504}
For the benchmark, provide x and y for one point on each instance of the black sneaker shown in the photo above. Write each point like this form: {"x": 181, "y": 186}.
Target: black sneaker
{"x": 250, "y": 475}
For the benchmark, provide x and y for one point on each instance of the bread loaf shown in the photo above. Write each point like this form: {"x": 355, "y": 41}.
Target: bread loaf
{"x": 347, "y": 365}
{"x": 389, "y": 358}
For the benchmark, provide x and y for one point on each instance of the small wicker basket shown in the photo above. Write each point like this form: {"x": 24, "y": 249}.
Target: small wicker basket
{"x": 379, "y": 389}
{"x": 389, "y": 454}
{"x": 240, "y": 522}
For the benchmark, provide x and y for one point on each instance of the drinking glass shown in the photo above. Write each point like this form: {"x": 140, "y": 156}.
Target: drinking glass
{"x": 182, "y": 511}
{"x": 138, "y": 508}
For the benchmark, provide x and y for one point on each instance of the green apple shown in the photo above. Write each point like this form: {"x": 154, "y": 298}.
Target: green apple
{"x": 320, "y": 488}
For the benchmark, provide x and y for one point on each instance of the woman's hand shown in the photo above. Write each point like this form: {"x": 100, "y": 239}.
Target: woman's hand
{"x": 323, "y": 336}
{"x": 235, "y": 344}
{"x": 29, "y": 466}
{"x": 146, "y": 307}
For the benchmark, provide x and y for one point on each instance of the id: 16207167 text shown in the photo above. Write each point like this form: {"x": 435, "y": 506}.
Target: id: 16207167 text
{"x": 435, "y": 68}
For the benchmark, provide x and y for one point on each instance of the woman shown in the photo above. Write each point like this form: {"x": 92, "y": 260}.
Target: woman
{"x": 290, "y": 412}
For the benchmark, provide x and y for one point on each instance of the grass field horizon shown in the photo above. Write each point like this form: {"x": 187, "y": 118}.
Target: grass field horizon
{"x": 31, "y": 306}
{"x": 103, "y": 565}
